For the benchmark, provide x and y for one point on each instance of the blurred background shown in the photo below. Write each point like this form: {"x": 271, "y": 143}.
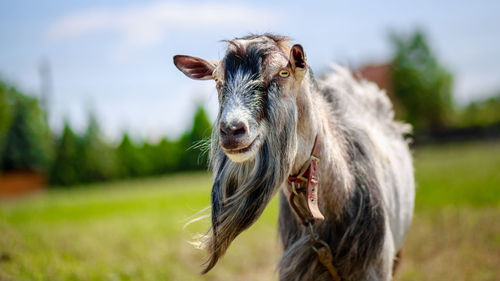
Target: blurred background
{"x": 103, "y": 142}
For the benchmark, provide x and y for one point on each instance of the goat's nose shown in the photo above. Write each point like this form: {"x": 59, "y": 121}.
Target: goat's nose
{"x": 234, "y": 129}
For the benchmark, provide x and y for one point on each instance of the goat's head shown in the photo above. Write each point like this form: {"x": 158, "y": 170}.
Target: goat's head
{"x": 254, "y": 71}
{"x": 254, "y": 141}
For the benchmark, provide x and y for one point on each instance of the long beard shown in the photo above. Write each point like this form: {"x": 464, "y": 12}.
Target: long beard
{"x": 241, "y": 191}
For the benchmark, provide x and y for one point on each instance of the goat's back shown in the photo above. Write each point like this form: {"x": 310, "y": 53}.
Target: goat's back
{"x": 366, "y": 112}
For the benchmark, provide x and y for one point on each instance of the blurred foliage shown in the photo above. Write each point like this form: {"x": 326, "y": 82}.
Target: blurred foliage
{"x": 156, "y": 153}
{"x": 25, "y": 138}
{"x": 66, "y": 167}
{"x": 90, "y": 159}
{"x": 26, "y": 143}
{"x": 98, "y": 159}
{"x": 6, "y": 111}
{"x": 479, "y": 113}
{"x": 133, "y": 162}
{"x": 196, "y": 140}
{"x": 421, "y": 84}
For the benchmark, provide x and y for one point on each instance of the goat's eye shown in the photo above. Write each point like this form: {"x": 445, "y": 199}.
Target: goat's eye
{"x": 216, "y": 80}
{"x": 284, "y": 73}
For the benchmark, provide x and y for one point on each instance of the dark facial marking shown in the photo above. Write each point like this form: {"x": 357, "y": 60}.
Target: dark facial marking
{"x": 247, "y": 64}
{"x": 248, "y": 61}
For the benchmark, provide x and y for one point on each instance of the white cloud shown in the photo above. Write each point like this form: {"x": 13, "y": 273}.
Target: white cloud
{"x": 147, "y": 24}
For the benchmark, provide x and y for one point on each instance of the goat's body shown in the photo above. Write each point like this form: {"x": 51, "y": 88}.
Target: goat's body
{"x": 271, "y": 110}
{"x": 366, "y": 185}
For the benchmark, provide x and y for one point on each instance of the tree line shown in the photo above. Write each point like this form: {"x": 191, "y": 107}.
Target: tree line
{"x": 423, "y": 92}
{"x": 88, "y": 158}
{"x": 68, "y": 158}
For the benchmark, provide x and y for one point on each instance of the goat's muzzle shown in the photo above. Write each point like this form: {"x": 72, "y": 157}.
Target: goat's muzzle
{"x": 237, "y": 140}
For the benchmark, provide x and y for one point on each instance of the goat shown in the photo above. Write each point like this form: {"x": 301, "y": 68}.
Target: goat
{"x": 272, "y": 109}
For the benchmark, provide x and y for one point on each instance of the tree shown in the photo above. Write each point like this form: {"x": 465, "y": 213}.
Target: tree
{"x": 421, "y": 84}
{"x": 98, "y": 159}
{"x": 195, "y": 142}
{"x": 132, "y": 161}
{"x": 27, "y": 143}
{"x": 480, "y": 113}
{"x": 6, "y": 112}
{"x": 66, "y": 167}
{"x": 164, "y": 156}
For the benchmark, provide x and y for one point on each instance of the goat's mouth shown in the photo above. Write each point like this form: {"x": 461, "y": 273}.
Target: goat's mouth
{"x": 243, "y": 153}
{"x": 241, "y": 150}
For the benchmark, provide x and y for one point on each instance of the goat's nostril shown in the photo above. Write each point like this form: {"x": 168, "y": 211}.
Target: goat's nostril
{"x": 234, "y": 129}
{"x": 240, "y": 131}
{"x": 222, "y": 132}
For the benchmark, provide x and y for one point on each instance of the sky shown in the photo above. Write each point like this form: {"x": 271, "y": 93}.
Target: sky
{"x": 114, "y": 58}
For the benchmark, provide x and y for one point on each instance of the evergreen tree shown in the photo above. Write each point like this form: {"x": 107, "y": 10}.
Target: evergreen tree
{"x": 68, "y": 157}
{"x": 27, "y": 144}
{"x": 98, "y": 162}
{"x": 6, "y": 112}
{"x": 164, "y": 157}
{"x": 131, "y": 160}
{"x": 196, "y": 142}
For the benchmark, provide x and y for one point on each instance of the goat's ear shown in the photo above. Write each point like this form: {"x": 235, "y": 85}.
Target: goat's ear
{"x": 297, "y": 58}
{"x": 195, "y": 68}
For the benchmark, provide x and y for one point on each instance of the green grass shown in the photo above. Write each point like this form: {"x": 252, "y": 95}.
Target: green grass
{"x": 134, "y": 230}
{"x": 459, "y": 175}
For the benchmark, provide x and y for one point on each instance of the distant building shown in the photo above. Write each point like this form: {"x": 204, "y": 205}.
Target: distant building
{"x": 17, "y": 183}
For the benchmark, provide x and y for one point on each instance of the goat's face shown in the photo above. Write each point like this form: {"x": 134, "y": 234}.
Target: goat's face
{"x": 257, "y": 82}
{"x": 254, "y": 71}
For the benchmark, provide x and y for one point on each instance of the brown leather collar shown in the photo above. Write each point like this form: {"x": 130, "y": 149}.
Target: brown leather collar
{"x": 306, "y": 181}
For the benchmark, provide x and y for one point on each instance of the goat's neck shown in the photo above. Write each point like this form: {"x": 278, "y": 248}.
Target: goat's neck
{"x": 316, "y": 118}
{"x": 308, "y": 123}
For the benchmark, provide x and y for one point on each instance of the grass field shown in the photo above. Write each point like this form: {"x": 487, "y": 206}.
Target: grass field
{"x": 134, "y": 230}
